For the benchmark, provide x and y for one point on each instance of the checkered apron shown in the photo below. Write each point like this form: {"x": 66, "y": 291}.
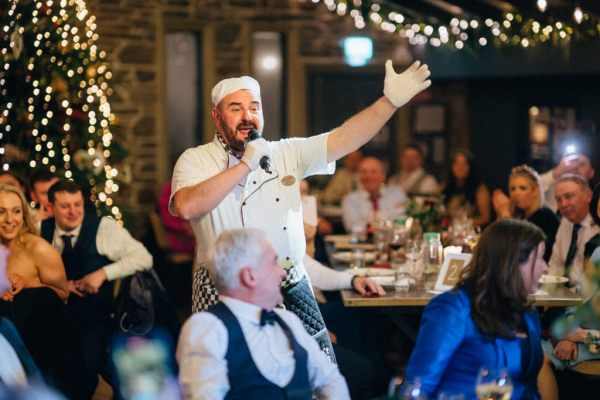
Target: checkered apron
{"x": 297, "y": 298}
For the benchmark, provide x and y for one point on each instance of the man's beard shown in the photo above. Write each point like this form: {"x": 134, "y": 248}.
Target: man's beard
{"x": 231, "y": 139}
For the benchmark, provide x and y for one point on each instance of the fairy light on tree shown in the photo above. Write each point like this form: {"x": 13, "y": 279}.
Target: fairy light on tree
{"x": 54, "y": 107}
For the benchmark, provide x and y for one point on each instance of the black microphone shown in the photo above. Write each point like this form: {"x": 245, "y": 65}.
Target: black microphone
{"x": 264, "y": 162}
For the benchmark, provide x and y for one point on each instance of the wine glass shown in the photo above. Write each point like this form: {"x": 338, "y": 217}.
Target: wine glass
{"x": 493, "y": 384}
{"x": 397, "y": 242}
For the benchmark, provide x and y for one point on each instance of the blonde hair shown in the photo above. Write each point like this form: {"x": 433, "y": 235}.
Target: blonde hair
{"x": 532, "y": 176}
{"x": 28, "y": 224}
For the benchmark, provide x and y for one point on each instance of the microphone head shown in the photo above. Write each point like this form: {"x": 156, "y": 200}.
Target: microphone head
{"x": 253, "y": 135}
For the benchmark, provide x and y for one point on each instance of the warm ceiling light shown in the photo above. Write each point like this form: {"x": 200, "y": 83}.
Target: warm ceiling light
{"x": 578, "y": 15}
{"x": 542, "y": 5}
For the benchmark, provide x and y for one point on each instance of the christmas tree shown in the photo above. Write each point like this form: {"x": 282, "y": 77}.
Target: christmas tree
{"x": 54, "y": 89}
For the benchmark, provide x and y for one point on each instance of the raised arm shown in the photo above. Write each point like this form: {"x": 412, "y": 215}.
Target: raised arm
{"x": 359, "y": 129}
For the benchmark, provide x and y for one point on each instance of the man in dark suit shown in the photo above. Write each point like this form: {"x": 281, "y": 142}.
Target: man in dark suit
{"x": 96, "y": 251}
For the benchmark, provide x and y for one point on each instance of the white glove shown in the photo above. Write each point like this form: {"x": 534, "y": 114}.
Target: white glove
{"x": 255, "y": 151}
{"x": 400, "y": 88}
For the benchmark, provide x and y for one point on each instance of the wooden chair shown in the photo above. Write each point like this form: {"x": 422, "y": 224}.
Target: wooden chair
{"x": 160, "y": 235}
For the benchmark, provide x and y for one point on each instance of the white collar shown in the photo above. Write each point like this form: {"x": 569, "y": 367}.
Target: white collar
{"x": 242, "y": 309}
{"x": 60, "y": 232}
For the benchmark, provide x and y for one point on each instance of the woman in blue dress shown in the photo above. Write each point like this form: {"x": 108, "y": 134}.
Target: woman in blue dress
{"x": 487, "y": 320}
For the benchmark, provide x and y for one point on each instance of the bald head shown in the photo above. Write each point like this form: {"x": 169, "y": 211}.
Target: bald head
{"x": 371, "y": 174}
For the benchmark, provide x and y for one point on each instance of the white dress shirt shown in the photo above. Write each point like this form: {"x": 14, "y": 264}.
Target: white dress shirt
{"x": 325, "y": 278}
{"x": 270, "y": 202}
{"x": 128, "y": 256}
{"x": 357, "y": 208}
{"x": 203, "y": 343}
{"x": 561, "y": 247}
{"x": 427, "y": 184}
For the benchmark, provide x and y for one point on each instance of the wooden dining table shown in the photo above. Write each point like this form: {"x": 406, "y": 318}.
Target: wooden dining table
{"x": 397, "y": 306}
{"x": 557, "y": 296}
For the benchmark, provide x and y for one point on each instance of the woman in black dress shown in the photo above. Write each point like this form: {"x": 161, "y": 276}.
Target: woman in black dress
{"x": 526, "y": 201}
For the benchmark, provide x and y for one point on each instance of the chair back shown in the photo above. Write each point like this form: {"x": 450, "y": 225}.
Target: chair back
{"x": 160, "y": 234}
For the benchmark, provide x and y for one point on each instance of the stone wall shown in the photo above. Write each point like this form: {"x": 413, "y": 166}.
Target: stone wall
{"x": 132, "y": 33}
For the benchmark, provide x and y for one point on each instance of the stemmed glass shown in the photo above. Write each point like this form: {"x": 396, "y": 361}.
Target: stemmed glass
{"x": 398, "y": 240}
{"x": 493, "y": 384}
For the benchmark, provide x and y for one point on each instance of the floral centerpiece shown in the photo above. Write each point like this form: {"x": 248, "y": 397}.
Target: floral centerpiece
{"x": 429, "y": 211}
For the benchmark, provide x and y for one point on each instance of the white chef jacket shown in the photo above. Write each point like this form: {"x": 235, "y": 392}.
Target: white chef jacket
{"x": 266, "y": 201}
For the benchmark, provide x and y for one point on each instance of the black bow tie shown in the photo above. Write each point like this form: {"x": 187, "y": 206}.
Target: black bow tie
{"x": 267, "y": 317}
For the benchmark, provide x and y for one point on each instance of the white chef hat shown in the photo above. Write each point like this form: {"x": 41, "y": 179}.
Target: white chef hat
{"x": 228, "y": 86}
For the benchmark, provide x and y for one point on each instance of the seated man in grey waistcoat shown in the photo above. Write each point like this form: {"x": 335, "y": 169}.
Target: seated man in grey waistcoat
{"x": 243, "y": 348}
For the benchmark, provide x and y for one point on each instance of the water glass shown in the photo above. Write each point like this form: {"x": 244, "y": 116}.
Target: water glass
{"x": 493, "y": 384}
{"x": 358, "y": 259}
{"x": 401, "y": 278}
{"x": 414, "y": 258}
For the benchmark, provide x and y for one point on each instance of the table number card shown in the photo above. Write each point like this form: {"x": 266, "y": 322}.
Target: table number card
{"x": 309, "y": 210}
{"x": 450, "y": 271}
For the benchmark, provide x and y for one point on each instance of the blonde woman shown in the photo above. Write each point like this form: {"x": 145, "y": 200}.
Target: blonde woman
{"x": 38, "y": 284}
{"x": 526, "y": 201}
{"x": 32, "y": 262}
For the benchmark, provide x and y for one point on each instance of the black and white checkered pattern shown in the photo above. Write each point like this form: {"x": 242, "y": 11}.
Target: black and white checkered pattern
{"x": 292, "y": 276}
{"x": 204, "y": 292}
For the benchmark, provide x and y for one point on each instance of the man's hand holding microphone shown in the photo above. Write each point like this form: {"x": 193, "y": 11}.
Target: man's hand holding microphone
{"x": 257, "y": 153}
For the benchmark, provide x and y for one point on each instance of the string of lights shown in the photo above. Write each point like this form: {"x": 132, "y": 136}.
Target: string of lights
{"x": 54, "y": 108}
{"x": 474, "y": 31}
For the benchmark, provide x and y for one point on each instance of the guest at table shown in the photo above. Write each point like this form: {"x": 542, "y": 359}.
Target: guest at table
{"x": 577, "y": 163}
{"x": 487, "y": 320}
{"x": 245, "y": 348}
{"x": 343, "y": 181}
{"x": 35, "y": 301}
{"x": 464, "y": 190}
{"x": 573, "y": 196}
{"x": 574, "y": 334}
{"x": 413, "y": 178}
{"x": 526, "y": 201}
{"x": 40, "y": 182}
{"x": 361, "y": 207}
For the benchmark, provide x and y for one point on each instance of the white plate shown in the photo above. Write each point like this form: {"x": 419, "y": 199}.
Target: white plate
{"x": 346, "y": 256}
{"x": 371, "y": 272}
{"x": 553, "y": 279}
